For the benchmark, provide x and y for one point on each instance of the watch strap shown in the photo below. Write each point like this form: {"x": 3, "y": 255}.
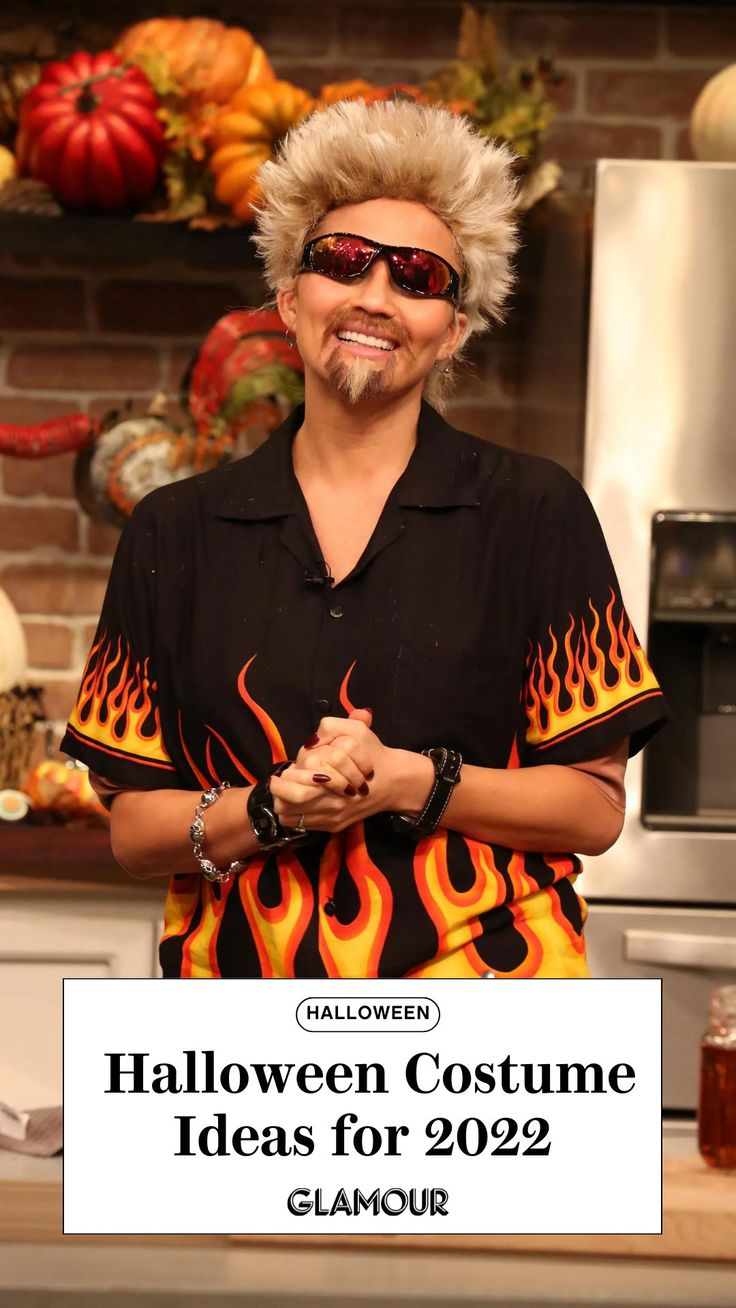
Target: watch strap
{"x": 447, "y": 770}
{"x": 264, "y": 822}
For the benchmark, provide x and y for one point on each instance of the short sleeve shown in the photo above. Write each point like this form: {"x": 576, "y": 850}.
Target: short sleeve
{"x": 116, "y": 725}
{"x": 587, "y": 680}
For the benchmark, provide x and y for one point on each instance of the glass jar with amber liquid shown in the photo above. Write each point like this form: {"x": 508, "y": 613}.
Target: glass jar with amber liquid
{"x": 717, "y": 1107}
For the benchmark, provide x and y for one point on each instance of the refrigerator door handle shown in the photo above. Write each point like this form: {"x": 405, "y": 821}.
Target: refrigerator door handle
{"x": 677, "y": 949}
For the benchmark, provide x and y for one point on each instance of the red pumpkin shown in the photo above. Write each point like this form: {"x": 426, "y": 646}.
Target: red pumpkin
{"x": 89, "y": 130}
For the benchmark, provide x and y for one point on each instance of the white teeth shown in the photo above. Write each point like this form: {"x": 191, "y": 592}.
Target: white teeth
{"x": 378, "y": 342}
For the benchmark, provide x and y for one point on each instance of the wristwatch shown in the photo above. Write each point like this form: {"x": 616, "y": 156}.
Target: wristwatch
{"x": 447, "y": 768}
{"x": 267, "y": 829}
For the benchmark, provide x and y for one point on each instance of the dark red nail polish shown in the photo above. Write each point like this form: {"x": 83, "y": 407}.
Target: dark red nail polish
{"x": 313, "y": 740}
{"x": 364, "y": 789}
{"x": 350, "y": 790}
{"x": 320, "y": 776}
{"x": 370, "y": 775}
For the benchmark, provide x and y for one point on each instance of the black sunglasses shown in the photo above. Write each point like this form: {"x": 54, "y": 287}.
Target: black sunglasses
{"x": 344, "y": 256}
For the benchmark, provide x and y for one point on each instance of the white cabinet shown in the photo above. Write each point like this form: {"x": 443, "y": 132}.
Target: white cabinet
{"x": 42, "y": 940}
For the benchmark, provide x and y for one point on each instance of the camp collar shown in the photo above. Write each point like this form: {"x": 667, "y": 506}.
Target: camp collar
{"x": 441, "y": 473}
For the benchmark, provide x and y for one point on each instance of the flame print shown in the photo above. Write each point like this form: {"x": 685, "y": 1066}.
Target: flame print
{"x": 597, "y": 683}
{"x": 277, "y": 931}
{"x": 538, "y": 927}
{"x": 278, "y": 751}
{"x": 456, "y": 914}
{"x": 116, "y": 710}
{"x": 354, "y": 948}
{"x": 199, "y": 954}
{"x": 210, "y": 776}
{"x": 182, "y": 902}
{"x": 344, "y": 697}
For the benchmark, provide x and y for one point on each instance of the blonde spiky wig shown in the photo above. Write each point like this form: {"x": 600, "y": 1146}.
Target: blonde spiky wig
{"x": 355, "y": 151}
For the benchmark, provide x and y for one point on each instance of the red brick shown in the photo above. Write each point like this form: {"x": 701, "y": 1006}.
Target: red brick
{"x": 55, "y": 588}
{"x": 313, "y": 74}
{"x": 26, "y": 409}
{"x": 105, "y": 408}
{"x": 683, "y": 148}
{"x": 26, "y": 527}
{"x": 696, "y": 34}
{"x": 164, "y": 308}
{"x": 654, "y": 93}
{"x": 563, "y": 96}
{"x": 89, "y": 631}
{"x": 181, "y": 357}
{"x": 564, "y": 31}
{"x": 49, "y": 644}
{"x": 54, "y": 476}
{"x": 59, "y": 697}
{"x": 51, "y": 304}
{"x": 381, "y": 71}
{"x": 84, "y": 368}
{"x": 285, "y": 28}
{"x": 32, "y": 473}
{"x": 114, "y": 410}
{"x": 102, "y": 538}
{"x": 581, "y": 141}
{"x": 404, "y": 31}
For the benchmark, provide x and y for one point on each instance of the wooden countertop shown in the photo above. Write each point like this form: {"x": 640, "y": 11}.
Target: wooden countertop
{"x": 699, "y": 1223}
{"x": 42, "y": 859}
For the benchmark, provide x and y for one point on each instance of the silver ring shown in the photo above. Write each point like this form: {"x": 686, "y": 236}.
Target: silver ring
{"x": 300, "y": 824}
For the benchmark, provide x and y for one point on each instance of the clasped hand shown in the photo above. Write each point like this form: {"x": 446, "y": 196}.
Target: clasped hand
{"x": 340, "y": 776}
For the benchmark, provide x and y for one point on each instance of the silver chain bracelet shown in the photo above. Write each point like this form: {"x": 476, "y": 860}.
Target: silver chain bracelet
{"x": 196, "y": 834}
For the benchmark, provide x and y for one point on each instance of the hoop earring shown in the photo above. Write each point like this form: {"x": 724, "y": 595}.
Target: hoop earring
{"x": 290, "y": 340}
{"x": 444, "y": 371}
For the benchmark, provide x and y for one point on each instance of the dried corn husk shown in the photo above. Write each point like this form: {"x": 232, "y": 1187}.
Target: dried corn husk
{"x": 13, "y": 648}
{"x": 20, "y": 710}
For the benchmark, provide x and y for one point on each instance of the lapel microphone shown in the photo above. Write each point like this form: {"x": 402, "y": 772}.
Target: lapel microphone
{"x": 318, "y": 579}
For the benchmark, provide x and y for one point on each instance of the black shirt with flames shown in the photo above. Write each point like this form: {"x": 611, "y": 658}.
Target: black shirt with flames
{"x": 484, "y": 614}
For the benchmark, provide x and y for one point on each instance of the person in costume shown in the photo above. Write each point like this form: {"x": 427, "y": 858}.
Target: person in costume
{"x": 366, "y": 695}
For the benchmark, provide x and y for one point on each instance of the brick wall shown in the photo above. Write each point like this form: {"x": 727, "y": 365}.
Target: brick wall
{"x": 90, "y": 335}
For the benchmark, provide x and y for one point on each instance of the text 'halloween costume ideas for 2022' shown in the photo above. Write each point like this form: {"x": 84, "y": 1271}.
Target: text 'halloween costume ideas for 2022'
{"x": 484, "y": 614}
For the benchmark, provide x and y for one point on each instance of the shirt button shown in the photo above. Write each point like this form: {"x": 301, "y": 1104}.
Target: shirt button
{"x": 330, "y": 908}
{"x": 324, "y": 705}
{"x": 336, "y": 611}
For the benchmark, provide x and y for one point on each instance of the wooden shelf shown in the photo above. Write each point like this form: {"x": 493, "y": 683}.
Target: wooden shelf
{"x": 42, "y": 859}
{"x": 82, "y": 236}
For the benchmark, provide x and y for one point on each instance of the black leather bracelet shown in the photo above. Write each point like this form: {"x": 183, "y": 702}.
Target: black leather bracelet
{"x": 266, "y": 826}
{"x": 447, "y": 768}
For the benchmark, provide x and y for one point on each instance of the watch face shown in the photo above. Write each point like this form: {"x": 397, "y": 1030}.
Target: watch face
{"x": 263, "y": 825}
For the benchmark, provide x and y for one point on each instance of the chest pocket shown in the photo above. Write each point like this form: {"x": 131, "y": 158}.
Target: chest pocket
{"x": 465, "y": 699}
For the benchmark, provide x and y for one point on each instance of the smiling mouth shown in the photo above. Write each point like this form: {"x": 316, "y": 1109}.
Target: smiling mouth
{"x": 362, "y": 343}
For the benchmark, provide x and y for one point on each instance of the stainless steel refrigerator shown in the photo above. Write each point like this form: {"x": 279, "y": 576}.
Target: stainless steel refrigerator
{"x": 660, "y": 468}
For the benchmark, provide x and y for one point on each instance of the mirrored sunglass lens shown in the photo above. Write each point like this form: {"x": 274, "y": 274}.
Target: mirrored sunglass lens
{"x": 340, "y": 256}
{"x": 422, "y": 271}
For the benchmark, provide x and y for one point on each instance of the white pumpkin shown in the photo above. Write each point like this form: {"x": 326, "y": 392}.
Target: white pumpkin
{"x": 713, "y": 119}
{"x": 13, "y": 647}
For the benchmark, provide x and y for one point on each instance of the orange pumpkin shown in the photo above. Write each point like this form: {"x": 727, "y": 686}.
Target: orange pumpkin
{"x": 358, "y": 89}
{"x": 245, "y": 134}
{"x": 208, "y": 60}
{"x": 64, "y": 788}
{"x": 333, "y": 92}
